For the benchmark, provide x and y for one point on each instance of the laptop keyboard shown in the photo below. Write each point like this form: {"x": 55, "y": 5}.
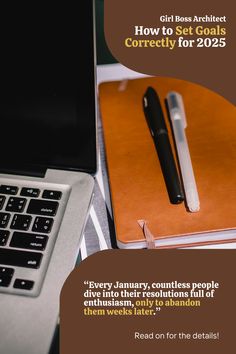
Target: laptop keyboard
{"x": 27, "y": 219}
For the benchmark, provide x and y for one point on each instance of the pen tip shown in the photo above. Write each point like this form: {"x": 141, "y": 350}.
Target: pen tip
{"x": 192, "y": 199}
{"x": 194, "y": 208}
{"x": 150, "y": 88}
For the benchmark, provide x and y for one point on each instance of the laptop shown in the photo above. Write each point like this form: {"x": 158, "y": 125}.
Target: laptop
{"x": 47, "y": 163}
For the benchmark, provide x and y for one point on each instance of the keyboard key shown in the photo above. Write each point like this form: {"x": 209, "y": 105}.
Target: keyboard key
{"x": 2, "y": 200}
{"x": 21, "y": 222}
{"x": 30, "y": 192}
{"x": 5, "y": 281}
{"x": 42, "y": 207}
{"x": 4, "y": 219}
{"x": 3, "y": 237}
{"x": 6, "y": 271}
{"x": 23, "y": 284}
{"x": 8, "y": 190}
{"x": 20, "y": 258}
{"x": 29, "y": 241}
{"x": 43, "y": 225}
{"x": 16, "y": 204}
{"x": 56, "y": 195}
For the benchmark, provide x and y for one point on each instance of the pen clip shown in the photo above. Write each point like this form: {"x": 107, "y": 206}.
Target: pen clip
{"x": 145, "y": 106}
{"x": 176, "y": 107}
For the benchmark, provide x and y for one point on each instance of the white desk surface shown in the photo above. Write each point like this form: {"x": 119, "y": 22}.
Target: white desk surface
{"x": 113, "y": 72}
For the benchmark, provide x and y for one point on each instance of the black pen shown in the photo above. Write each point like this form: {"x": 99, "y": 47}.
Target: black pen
{"x": 156, "y": 122}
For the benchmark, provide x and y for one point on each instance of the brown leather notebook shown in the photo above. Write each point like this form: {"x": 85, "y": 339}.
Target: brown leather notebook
{"x": 137, "y": 186}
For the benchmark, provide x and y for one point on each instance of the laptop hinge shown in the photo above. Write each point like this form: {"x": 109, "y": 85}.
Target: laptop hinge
{"x": 31, "y": 172}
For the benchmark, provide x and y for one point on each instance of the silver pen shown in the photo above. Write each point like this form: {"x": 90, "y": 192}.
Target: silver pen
{"x": 179, "y": 124}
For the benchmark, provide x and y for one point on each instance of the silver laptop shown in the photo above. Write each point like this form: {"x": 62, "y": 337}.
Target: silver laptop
{"x": 47, "y": 162}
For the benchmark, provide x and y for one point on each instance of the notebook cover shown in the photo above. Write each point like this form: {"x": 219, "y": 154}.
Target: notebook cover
{"x": 137, "y": 186}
